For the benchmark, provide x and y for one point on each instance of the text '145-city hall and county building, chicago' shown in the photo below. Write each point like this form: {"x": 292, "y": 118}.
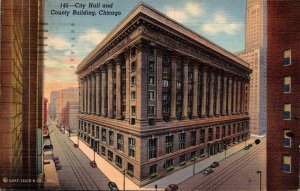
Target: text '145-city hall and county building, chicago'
{"x": 155, "y": 96}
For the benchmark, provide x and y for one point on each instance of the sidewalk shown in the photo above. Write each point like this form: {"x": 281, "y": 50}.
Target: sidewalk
{"x": 51, "y": 177}
{"x": 175, "y": 178}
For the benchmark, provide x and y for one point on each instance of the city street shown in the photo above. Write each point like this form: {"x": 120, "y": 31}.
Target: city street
{"x": 76, "y": 172}
{"x": 236, "y": 173}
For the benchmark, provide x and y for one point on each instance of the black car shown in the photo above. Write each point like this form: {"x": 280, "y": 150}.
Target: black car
{"x": 48, "y": 147}
{"x": 214, "y": 165}
{"x": 113, "y": 186}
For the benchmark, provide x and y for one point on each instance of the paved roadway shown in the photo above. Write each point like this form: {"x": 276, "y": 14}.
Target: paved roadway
{"x": 236, "y": 173}
{"x": 76, "y": 172}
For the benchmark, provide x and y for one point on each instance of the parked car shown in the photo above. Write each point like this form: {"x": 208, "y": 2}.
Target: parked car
{"x": 113, "y": 186}
{"x": 75, "y": 145}
{"x": 58, "y": 166}
{"x": 172, "y": 187}
{"x": 55, "y": 158}
{"x": 207, "y": 171}
{"x": 93, "y": 164}
{"x": 48, "y": 147}
{"x": 214, "y": 165}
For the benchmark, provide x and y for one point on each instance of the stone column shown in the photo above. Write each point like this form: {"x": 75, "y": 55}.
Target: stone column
{"x": 85, "y": 95}
{"x": 224, "y": 101}
{"x": 127, "y": 65}
{"x": 89, "y": 94}
{"x": 81, "y": 82}
{"x": 238, "y": 97}
{"x": 218, "y": 101}
{"x": 173, "y": 86}
{"x": 195, "y": 91}
{"x": 142, "y": 83}
{"x": 98, "y": 96}
{"x": 93, "y": 94}
{"x": 229, "y": 104}
{"x": 159, "y": 85}
{"x": 110, "y": 89}
{"x": 185, "y": 88}
{"x": 103, "y": 93}
{"x": 234, "y": 95}
{"x": 204, "y": 92}
{"x": 211, "y": 94}
{"x": 118, "y": 89}
{"x": 242, "y": 96}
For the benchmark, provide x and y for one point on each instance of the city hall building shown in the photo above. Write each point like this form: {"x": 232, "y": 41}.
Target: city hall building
{"x": 155, "y": 96}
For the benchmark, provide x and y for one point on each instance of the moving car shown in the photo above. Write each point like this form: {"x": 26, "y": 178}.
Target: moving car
{"x": 113, "y": 186}
{"x": 172, "y": 187}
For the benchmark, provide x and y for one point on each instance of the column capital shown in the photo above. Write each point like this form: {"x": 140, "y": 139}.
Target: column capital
{"x": 186, "y": 61}
{"x": 118, "y": 59}
{"x": 141, "y": 45}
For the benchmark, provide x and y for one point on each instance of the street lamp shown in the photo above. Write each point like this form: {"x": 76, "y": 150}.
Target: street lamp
{"x": 259, "y": 172}
{"x": 124, "y": 171}
{"x": 194, "y": 165}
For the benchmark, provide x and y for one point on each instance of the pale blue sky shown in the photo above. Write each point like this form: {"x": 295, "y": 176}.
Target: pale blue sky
{"x": 221, "y": 21}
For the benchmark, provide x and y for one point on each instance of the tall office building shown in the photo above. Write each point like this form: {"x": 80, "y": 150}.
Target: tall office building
{"x": 155, "y": 96}
{"x": 283, "y": 135}
{"x": 255, "y": 55}
{"x": 21, "y": 96}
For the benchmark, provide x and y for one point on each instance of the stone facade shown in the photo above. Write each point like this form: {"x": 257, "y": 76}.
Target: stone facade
{"x": 21, "y": 93}
{"x": 255, "y": 54}
{"x": 155, "y": 96}
{"x": 283, "y": 95}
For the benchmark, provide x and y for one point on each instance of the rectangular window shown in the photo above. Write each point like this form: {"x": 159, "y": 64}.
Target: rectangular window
{"x": 202, "y": 152}
{"x": 133, "y": 95}
{"x": 210, "y": 134}
{"x": 110, "y": 155}
{"x": 165, "y": 83}
{"x": 178, "y": 84}
{"x": 151, "y": 122}
{"x": 111, "y": 138}
{"x": 287, "y": 57}
{"x": 287, "y": 84}
{"x": 133, "y": 66}
{"x": 130, "y": 169}
{"x": 287, "y": 112}
{"x": 133, "y": 80}
{"x": 202, "y": 136}
{"x": 118, "y": 161}
{"x": 151, "y": 50}
{"x": 193, "y": 154}
{"x": 286, "y": 165}
{"x": 153, "y": 169}
{"x": 229, "y": 130}
{"x": 286, "y": 138}
{"x": 169, "y": 163}
{"x": 152, "y": 148}
{"x": 103, "y": 132}
{"x": 223, "y": 131}
{"x": 151, "y": 95}
{"x": 181, "y": 141}
{"x": 151, "y": 65}
{"x": 133, "y": 110}
{"x": 182, "y": 158}
{"x": 120, "y": 142}
{"x": 169, "y": 144}
{"x": 193, "y": 138}
{"x": 217, "y": 132}
{"x": 103, "y": 150}
{"x": 151, "y": 80}
{"x": 131, "y": 147}
{"x": 166, "y": 109}
{"x": 165, "y": 96}
{"x": 166, "y": 69}
{"x": 151, "y": 110}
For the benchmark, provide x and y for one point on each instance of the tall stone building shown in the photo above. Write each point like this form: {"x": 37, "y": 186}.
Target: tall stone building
{"x": 255, "y": 55}
{"x": 283, "y": 133}
{"x": 155, "y": 96}
{"x": 21, "y": 93}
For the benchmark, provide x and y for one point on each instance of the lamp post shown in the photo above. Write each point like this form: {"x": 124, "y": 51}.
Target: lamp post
{"x": 69, "y": 131}
{"x": 78, "y": 138}
{"x": 95, "y": 149}
{"x": 259, "y": 172}
{"x": 155, "y": 186}
{"x": 194, "y": 165}
{"x": 123, "y": 171}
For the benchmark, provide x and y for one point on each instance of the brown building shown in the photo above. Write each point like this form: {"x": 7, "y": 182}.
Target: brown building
{"x": 283, "y": 133}
{"x": 21, "y": 96}
{"x": 155, "y": 96}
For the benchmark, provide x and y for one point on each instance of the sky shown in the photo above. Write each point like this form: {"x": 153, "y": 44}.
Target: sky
{"x": 70, "y": 38}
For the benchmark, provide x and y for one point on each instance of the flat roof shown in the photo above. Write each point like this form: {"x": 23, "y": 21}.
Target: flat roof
{"x": 167, "y": 21}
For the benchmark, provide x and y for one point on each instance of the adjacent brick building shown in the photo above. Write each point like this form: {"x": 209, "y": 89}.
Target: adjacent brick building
{"x": 21, "y": 92}
{"x": 283, "y": 97}
{"x": 155, "y": 96}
